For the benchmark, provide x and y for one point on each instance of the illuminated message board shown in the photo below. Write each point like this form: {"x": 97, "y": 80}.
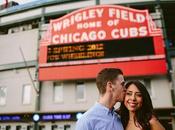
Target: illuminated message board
{"x": 101, "y": 49}
{"x": 15, "y": 118}
{"x": 71, "y": 116}
{"x": 10, "y": 118}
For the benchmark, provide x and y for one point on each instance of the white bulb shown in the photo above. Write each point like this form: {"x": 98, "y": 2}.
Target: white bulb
{"x": 79, "y": 115}
{"x": 36, "y": 117}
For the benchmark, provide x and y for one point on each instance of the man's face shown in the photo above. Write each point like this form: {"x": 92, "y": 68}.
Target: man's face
{"x": 118, "y": 89}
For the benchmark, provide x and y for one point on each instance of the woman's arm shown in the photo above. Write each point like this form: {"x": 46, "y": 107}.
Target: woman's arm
{"x": 155, "y": 124}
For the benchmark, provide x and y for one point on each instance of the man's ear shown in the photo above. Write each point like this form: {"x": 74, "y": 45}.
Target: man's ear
{"x": 109, "y": 86}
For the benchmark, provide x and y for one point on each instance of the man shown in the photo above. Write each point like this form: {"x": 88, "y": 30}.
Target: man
{"x": 110, "y": 84}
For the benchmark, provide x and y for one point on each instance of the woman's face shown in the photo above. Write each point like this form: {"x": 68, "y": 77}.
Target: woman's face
{"x": 133, "y": 98}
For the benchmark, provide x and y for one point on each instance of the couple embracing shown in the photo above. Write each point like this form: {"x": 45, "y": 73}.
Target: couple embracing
{"x": 136, "y": 110}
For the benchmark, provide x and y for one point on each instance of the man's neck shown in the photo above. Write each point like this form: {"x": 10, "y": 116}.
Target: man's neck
{"x": 106, "y": 102}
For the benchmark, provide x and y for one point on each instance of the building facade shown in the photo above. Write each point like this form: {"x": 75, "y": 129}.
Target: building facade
{"x": 55, "y": 104}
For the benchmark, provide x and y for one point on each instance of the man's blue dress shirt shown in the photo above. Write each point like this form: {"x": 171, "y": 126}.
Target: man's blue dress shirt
{"x": 99, "y": 117}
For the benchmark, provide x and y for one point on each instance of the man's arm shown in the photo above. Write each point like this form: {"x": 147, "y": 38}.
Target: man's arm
{"x": 83, "y": 124}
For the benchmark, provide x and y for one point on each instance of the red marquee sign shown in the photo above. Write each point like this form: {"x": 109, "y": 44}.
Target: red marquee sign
{"x": 78, "y": 45}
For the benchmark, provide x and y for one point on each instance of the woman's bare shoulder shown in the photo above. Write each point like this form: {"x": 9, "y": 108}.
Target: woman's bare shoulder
{"x": 155, "y": 124}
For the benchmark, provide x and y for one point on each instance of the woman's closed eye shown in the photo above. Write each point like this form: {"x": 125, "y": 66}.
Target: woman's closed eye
{"x": 128, "y": 93}
{"x": 138, "y": 94}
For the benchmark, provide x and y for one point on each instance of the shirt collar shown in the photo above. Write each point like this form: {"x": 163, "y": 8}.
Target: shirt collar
{"x": 105, "y": 109}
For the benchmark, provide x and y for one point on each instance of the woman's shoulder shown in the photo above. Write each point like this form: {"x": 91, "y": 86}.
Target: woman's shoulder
{"x": 153, "y": 119}
{"x": 155, "y": 124}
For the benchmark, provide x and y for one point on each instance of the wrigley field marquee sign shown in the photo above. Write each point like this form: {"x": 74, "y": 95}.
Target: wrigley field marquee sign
{"x": 105, "y": 34}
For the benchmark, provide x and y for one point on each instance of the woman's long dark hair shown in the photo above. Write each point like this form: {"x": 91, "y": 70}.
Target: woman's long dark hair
{"x": 143, "y": 114}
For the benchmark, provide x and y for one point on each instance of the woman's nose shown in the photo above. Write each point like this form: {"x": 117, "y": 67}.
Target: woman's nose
{"x": 133, "y": 97}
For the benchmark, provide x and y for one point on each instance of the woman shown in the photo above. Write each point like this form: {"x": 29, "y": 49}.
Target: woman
{"x": 137, "y": 109}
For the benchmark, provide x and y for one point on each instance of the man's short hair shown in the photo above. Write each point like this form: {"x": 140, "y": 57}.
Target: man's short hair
{"x": 105, "y": 75}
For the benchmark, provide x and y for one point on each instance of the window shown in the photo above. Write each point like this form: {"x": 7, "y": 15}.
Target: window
{"x": 54, "y": 127}
{"x": 42, "y": 127}
{"x": 8, "y": 127}
{"x": 18, "y": 127}
{"x": 26, "y": 94}
{"x": 67, "y": 127}
{"x": 29, "y": 127}
{"x": 58, "y": 92}
{"x": 3, "y": 94}
{"x": 80, "y": 91}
